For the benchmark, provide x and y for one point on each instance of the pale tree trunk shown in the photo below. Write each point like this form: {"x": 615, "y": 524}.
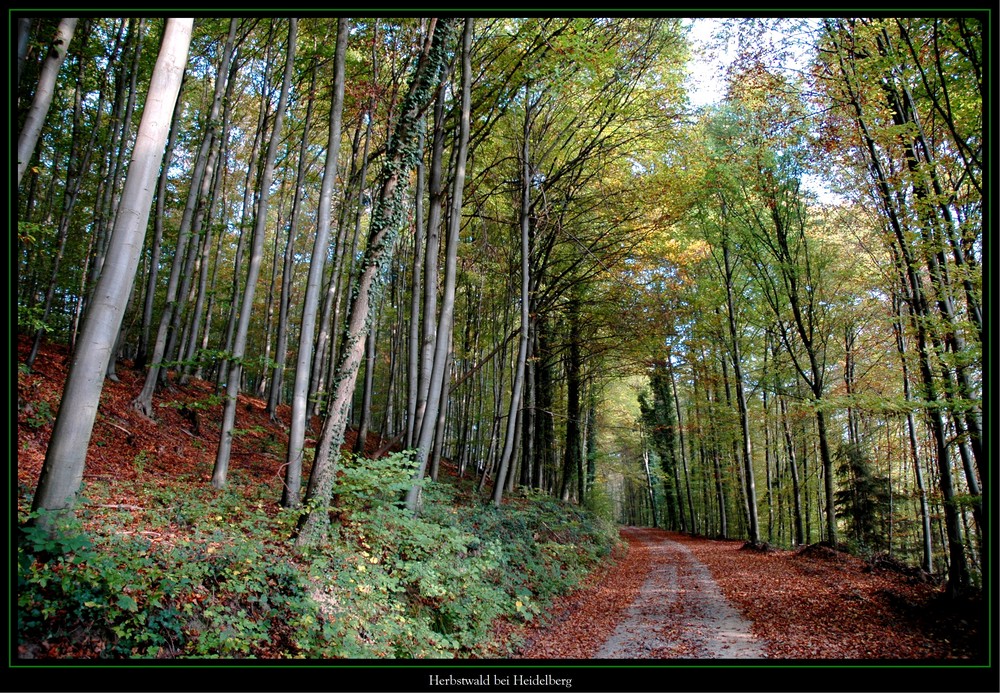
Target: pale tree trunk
{"x": 413, "y": 354}
{"x": 253, "y": 272}
{"x": 32, "y": 127}
{"x": 326, "y": 344}
{"x": 280, "y": 357}
{"x": 443, "y": 419}
{"x": 74, "y": 181}
{"x": 443, "y": 334}
{"x": 430, "y": 280}
{"x": 62, "y": 472}
{"x": 522, "y": 349}
{"x": 232, "y": 314}
{"x": 364, "y": 422}
{"x": 387, "y": 216}
{"x": 200, "y": 294}
{"x": 199, "y": 182}
{"x": 154, "y": 251}
{"x": 310, "y": 303}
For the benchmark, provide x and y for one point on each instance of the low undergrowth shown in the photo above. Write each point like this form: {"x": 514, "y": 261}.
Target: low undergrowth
{"x": 190, "y": 572}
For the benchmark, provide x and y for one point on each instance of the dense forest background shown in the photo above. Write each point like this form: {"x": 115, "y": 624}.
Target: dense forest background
{"x": 516, "y": 245}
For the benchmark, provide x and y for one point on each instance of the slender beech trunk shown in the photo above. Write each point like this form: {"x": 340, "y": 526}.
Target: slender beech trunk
{"x": 746, "y": 451}
{"x": 443, "y": 333}
{"x": 142, "y": 355}
{"x": 310, "y": 303}
{"x": 62, "y": 471}
{"x": 281, "y": 349}
{"x": 73, "y": 186}
{"x": 364, "y": 422}
{"x": 235, "y": 372}
{"x": 32, "y": 128}
{"x": 199, "y": 182}
{"x": 430, "y": 280}
{"x": 522, "y": 349}
{"x": 413, "y": 353}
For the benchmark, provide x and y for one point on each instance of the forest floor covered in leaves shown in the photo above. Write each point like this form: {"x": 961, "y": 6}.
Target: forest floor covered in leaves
{"x": 813, "y": 603}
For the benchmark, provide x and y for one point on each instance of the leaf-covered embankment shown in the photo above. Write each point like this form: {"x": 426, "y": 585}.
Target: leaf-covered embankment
{"x": 161, "y": 565}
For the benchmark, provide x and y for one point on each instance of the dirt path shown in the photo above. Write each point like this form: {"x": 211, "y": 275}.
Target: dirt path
{"x": 679, "y": 612}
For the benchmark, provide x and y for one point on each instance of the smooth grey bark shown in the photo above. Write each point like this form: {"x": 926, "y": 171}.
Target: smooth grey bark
{"x": 200, "y": 293}
{"x": 199, "y": 188}
{"x": 281, "y": 357}
{"x": 310, "y": 302}
{"x": 62, "y": 472}
{"x": 253, "y": 272}
{"x": 248, "y": 194}
{"x": 522, "y": 347}
{"x": 364, "y": 422}
{"x": 401, "y": 157}
{"x": 32, "y": 128}
{"x": 443, "y": 333}
{"x": 413, "y": 353}
{"x": 431, "y": 252}
{"x": 342, "y": 279}
{"x": 155, "y": 248}
{"x": 74, "y": 183}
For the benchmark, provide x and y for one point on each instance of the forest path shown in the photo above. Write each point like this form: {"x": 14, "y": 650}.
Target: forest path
{"x": 679, "y": 610}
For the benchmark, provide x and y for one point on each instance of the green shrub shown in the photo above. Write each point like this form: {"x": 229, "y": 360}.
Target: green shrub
{"x": 219, "y": 576}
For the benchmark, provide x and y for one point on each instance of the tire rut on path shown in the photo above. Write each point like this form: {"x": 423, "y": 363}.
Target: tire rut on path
{"x": 680, "y": 612}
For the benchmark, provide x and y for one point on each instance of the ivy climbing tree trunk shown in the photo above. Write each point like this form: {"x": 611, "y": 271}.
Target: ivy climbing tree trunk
{"x": 387, "y": 217}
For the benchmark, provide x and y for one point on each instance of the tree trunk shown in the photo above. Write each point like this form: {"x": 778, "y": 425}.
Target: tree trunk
{"x": 142, "y": 357}
{"x": 386, "y": 218}
{"x": 310, "y": 303}
{"x": 246, "y": 308}
{"x": 413, "y": 353}
{"x": 443, "y": 333}
{"x": 32, "y": 128}
{"x": 62, "y": 472}
{"x": 199, "y": 187}
{"x": 522, "y": 349}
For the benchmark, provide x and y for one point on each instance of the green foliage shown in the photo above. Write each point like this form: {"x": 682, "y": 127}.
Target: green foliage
{"x": 207, "y": 402}
{"x": 227, "y": 584}
{"x": 863, "y": 499}
{"x": 30, "y": 320}
{"x": 216, "y": 592}
{"x": 40, "y": 414}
